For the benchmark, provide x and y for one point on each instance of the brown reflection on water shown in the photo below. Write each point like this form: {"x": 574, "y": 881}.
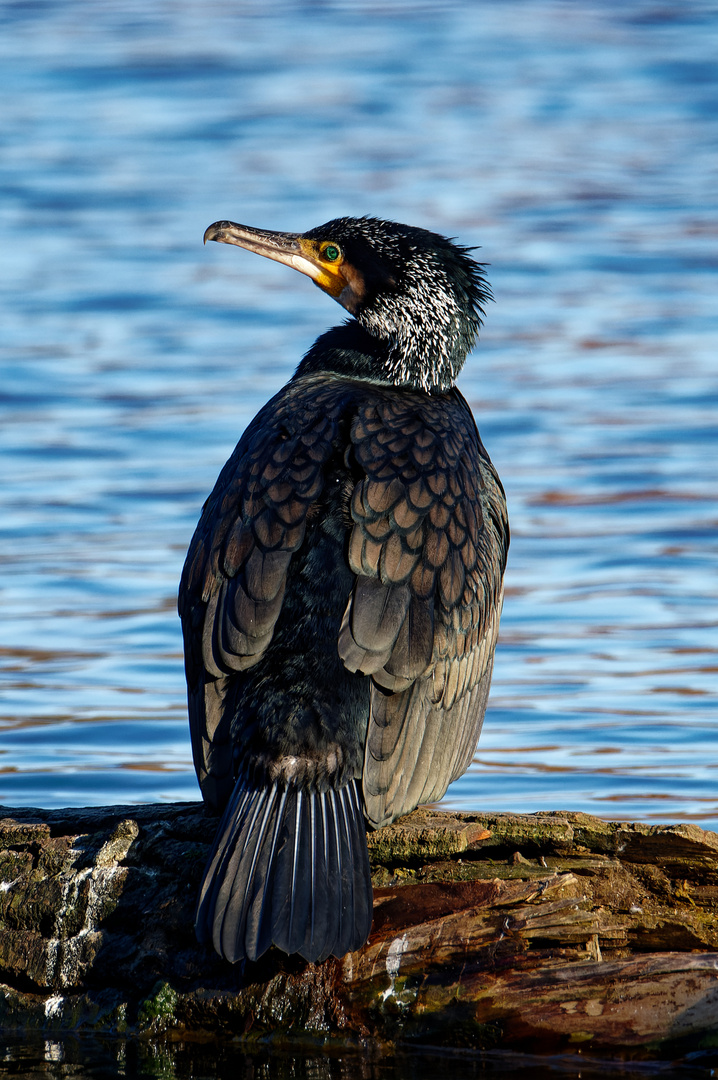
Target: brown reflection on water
{"x": 573, "y": 498}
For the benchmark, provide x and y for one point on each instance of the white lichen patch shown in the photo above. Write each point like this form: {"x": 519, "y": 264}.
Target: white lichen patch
{"x": 53, "y": 1006}
{"x": 88, "y": 895}
{"x": 394, "y": 954}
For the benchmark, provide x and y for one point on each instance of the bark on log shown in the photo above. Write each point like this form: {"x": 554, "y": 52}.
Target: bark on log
{"x": 544, "y": 931}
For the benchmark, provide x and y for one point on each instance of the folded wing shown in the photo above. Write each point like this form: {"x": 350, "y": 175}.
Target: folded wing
{"x": 428, "y": 546}
{"x": 235, "y": 575}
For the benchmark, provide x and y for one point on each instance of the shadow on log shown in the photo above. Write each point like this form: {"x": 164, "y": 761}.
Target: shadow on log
{"x": 544, "y": 931}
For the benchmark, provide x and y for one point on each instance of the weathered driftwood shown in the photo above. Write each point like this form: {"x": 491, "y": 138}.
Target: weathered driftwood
{"x": 546, "y": 930}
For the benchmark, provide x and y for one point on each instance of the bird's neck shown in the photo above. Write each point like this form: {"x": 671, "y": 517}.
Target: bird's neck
{"x": 346, "y": 350}
{"x": 352, "y": 351}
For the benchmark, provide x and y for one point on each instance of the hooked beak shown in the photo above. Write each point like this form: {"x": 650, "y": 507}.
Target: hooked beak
{"x": 288, "y": 248}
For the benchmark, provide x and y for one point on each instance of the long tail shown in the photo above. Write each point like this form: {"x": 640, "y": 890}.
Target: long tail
{"x": 290, "y": 868}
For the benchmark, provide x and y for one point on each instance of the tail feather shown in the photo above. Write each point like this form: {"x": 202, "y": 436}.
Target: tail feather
{"x": 363, "y": 898}
{"x": 327, "y": 871}
{"x": 237, "y": 900}
{"x": 288, "y": 867}
{"x": 217, "y": 868}
{"x": 336, "y": 838}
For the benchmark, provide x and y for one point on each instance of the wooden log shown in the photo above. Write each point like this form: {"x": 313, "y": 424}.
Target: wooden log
{"x": 544, "y": 931}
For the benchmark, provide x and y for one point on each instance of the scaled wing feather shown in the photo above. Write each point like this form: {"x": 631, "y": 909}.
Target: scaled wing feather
{"x": 428, "y": 546}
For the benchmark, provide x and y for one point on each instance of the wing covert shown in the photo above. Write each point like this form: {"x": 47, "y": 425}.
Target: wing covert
{"x": 428, "y": 546}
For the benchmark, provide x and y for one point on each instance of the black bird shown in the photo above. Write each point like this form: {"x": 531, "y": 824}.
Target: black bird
{"x": 341, "y": 596}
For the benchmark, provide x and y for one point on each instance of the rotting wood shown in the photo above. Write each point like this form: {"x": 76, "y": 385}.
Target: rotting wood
{"x": 549, "y": 930}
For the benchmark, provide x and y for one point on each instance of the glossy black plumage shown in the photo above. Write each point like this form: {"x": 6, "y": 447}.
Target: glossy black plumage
{"x": 341, "y": 596}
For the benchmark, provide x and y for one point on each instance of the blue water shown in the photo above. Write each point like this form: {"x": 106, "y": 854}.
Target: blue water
{"x": 577, "y": 143}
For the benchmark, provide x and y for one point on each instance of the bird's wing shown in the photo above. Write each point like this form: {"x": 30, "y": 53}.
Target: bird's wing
{"x": 235, "y": 573}
{"x": 428, "y": 546}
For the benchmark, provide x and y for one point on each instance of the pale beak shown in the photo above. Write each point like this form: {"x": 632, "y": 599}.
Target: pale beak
{"x": 282, "y": 247}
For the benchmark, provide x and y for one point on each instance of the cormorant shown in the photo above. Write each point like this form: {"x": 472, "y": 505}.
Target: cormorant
{"x": 341, "y": 596}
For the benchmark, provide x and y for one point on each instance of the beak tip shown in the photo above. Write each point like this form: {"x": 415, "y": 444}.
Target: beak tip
{"x": 215, "y": 231}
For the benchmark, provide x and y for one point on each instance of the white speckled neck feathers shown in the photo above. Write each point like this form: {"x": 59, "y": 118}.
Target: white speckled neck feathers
{"x": 422, "y": 298}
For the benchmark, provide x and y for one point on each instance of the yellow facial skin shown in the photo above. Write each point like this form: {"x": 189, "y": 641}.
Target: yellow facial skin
{"x": 334, "y": 273}
{"x": 326, "y": 260}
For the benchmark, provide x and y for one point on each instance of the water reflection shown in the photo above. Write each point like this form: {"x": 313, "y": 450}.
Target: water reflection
{"x": 95, "y": 1058}
{"x": 574, "y": 142}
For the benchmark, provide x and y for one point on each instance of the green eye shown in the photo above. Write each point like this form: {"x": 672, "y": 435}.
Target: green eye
{"x": 331, "y": 253}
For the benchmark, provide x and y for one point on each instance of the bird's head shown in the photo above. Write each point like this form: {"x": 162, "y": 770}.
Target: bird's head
{"x": 418, "y": 292}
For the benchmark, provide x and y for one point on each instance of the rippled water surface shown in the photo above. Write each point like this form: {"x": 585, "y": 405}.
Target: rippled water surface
{"x": 577, "y": 143}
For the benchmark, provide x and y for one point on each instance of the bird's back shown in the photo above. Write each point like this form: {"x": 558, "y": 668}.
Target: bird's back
{"x": 356, "y": 531}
